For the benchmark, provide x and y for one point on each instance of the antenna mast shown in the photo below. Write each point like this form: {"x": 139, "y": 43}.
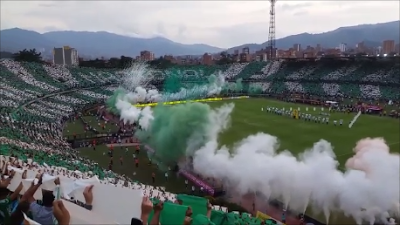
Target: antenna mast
{"x": 271, "y": 35}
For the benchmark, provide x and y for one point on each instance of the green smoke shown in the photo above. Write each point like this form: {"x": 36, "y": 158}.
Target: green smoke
{"x": 255, "y": 89}
{"x": 112, "y": 100}
{"x": 233, "y": 87}
{"x": 239, "y": 85}
{"x": 173, "y": 82}
{"x": 172, "y": 127}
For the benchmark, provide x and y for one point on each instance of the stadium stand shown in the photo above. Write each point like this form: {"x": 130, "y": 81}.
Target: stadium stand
{"x": 37, "y": 99}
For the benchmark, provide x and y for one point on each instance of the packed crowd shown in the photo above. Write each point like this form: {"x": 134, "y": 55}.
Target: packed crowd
{"x": 335, "y": 78}
{"x": 36, "y": 100}
{"x": 34, "y": 107}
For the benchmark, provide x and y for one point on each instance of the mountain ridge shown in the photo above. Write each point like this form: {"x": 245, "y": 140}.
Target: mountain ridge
{"x": 373, "y": 34}
{"x": 106, "y": 44}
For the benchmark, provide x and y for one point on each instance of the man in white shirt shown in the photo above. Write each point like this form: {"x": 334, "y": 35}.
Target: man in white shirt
{"x": 166, "y": 176}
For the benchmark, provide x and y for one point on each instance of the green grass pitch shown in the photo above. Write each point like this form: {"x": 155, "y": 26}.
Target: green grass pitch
{"x": 247, "y": 118}
{"x": 294, "y": 135}
{"x": 298, "y": 135}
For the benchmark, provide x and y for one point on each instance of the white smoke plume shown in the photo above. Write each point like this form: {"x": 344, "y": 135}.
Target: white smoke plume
{"x": 138, "y": 76}
{"x": 368, "y": 189}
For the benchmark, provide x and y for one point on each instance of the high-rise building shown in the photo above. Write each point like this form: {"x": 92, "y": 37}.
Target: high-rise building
{"x": 65, "y": 56}
{"x": 246, "y": 50}
{"x": 207, "y": 59}
{"x": 318, "y": 48}
{"x": 343, "y": 47}
{"x": 360, "y": 47}
{"x": 388, "y": 46}
{"x": 297, "y": 47}
{"x": 146, "y": 56}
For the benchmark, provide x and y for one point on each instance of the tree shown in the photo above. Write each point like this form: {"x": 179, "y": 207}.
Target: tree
{"x": 6, "y": 55}
{"x": 28, "y": 56}
{"x": 161, "y": 63}
{"x": 114, "y": 62}
{"x": 125, "y": 61}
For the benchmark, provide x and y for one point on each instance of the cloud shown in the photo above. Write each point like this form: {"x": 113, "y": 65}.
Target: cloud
{"x": 290, "y": 7}
{"x": 218, "y": 23}
{"x": 300, "y": 13}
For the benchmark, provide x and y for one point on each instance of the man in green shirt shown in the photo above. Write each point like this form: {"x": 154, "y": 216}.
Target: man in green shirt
{"x": 6, "y": 199}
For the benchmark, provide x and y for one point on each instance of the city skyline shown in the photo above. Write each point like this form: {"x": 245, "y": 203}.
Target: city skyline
{"x": 220, "y": 24}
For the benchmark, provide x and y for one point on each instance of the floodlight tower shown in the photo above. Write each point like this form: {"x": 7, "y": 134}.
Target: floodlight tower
{"x": 271, "y": 35}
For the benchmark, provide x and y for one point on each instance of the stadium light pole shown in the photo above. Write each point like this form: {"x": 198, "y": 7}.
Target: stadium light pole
{"x": 271, "y": 34}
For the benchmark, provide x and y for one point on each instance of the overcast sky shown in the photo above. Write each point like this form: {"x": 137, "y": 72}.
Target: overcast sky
{"x": 218, "y": 23}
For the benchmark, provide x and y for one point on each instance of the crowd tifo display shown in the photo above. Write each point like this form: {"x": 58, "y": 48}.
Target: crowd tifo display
{"x": 36, "y": 100}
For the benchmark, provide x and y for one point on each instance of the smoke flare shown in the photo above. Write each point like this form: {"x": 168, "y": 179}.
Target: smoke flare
{"x": 368, "y": 189}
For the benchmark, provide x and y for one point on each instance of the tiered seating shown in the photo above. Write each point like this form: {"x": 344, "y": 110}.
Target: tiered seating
{"x": 331, "y": 89}
{"x": 301, "y": 70}
{"x": 392, "y": 74}
{"x": 364, "y": 69}
{"x": 21, "y": 76}
{"x": 251, "y": 69}
{"x": 286, "y": 69}
{"x": 278, "y": 87}
{"x": 234, "y": 70}
{"x": 89, "y": 76}
{"x": 313, "y": 88}
{"x": 32, "y": 133}
{"x": 195, "y": 72}
{"x": 389, "y": 93}
{"x": 370, "y": 91}
{"x": 62, "y": 74}
{"x": 259, "y": 87}
{"x": 322, "y": 69}
{"x": 350, "y": 90}
{"x": 341, "y": 69}
{"x": 41, "y": 74}
{"x": 294, "y": 87}
{"x": 328, "y": 77}
{"x": 35, "y": 100}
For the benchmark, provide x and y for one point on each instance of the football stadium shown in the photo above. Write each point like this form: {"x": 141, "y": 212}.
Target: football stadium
{"x": 277, "y": 142}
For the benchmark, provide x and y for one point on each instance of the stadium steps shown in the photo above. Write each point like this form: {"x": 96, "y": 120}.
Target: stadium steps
{"x": 278, "y": 87}
{"x": 390, "y": 93}
{"x": 251, "y": 69}
{"x": 9, "y": 77}
{"x": 352, "y": 90}
{"x": 313, "y": 88}
{"x": 40, "y": 74}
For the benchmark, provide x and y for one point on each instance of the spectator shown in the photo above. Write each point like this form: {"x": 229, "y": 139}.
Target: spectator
{"x": 17, "y": 216}
{"x": 147, "y": 207}
{"x": 6, "y": 198}
{"x": 61, "y": 213}
{"x": 42, "y": 214}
